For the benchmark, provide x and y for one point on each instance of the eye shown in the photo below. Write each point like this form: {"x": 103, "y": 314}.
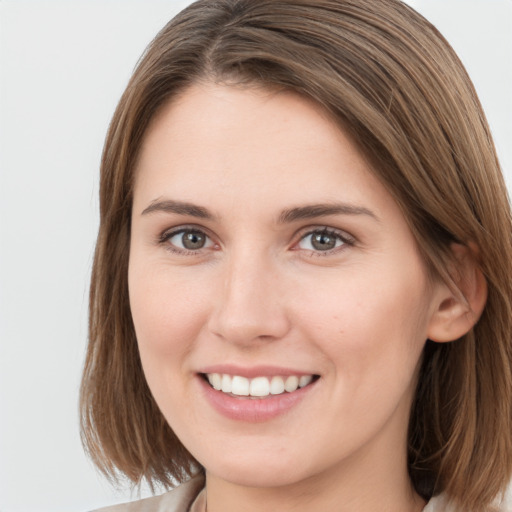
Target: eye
{"x": 324, "y": 240}
{"x": 187, "y": 239}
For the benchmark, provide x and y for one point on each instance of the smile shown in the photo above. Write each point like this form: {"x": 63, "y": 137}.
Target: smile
{"x": 258, "y": 387}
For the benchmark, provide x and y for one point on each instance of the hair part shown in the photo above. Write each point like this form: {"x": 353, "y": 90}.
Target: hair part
{"x": 394, "y": 84}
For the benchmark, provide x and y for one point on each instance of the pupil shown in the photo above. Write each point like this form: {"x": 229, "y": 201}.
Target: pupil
{"x": 193, "y": 240}
{"x": 323, "y": 241}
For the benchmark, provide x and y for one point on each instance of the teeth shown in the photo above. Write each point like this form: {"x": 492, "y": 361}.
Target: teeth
{"x": 305, "y": 380}
{"x": 216, "y": 381}
{"x": 291, "y": 384}
{"x": 240, "y": 386}
{"x": 277, "y": 385}
{"x": 259, "y": 386}
{"x": 226, "y": 384}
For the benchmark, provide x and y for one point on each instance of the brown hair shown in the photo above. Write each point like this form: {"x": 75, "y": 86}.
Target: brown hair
{"x": 393, "y": 82}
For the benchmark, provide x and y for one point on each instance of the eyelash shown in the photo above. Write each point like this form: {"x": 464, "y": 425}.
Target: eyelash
{"x": 341, "y": 236}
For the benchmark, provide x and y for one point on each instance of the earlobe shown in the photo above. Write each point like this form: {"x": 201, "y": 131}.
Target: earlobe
{"x": 460, "y": 304}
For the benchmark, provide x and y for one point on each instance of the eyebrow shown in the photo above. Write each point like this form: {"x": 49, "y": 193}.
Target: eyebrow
{"x": 287, "y": 216}
{"x": 178, "y": 207}
{"x": 322, "y": 210}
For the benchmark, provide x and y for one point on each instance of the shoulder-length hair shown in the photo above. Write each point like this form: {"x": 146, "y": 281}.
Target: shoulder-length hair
{"x": 392, "y": 81}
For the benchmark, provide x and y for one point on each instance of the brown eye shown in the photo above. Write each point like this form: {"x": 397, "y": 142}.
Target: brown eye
{"x": 323, "y": 240}
{"x": 193, "y": 240}
{"x": 189, "y": 240}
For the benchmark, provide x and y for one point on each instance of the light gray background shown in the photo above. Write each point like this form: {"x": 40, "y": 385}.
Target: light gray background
{"x": 63, "y": 66}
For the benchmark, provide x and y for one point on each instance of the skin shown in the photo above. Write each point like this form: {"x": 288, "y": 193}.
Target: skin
{"x": 259, "y": 293}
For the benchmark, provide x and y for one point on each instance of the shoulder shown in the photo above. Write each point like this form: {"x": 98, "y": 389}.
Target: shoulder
{"x": 177, "y": 500}
{"x": 438, "y": 504}
{"x": 442, "y": 504}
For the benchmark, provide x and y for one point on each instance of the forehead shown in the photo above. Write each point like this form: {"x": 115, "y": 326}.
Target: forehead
{"x": 221, "y": 116}
{"x": 218, "y": 135}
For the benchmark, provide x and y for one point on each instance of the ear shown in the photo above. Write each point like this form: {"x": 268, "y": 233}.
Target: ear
{"x": 458, "y": 308}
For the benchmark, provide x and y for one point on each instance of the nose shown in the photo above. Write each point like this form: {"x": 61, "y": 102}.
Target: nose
{"x": 250, "y": 305}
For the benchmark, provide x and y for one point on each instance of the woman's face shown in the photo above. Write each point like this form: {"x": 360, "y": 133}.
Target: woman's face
{"x": 265, "y": 255}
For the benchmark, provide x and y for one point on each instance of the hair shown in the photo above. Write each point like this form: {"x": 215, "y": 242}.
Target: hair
{"x": 392, "y": 82}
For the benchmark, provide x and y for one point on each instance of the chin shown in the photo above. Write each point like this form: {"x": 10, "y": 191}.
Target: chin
{"x": 260, "y": 471}
{"x": 262, "y": 477}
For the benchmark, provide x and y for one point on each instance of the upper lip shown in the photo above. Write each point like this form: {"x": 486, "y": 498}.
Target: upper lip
{"x": 251, "y": 372}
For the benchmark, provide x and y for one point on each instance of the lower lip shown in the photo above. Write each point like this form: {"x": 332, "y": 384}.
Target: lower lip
{"x": 253, "y": 410}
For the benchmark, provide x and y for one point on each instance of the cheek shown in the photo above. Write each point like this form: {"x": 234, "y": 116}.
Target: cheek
{"x": 372, "y": 325}
{"x": 168, "y": 313}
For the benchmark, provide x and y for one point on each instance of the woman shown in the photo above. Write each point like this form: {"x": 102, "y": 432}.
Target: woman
{"x": 301, "y": 288}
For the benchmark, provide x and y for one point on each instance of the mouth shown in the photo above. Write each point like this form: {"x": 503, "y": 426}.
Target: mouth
{"x": 257, "y": 387}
